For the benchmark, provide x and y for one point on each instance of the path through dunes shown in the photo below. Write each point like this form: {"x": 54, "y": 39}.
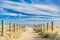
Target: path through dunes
{"x": 30, "y": 35}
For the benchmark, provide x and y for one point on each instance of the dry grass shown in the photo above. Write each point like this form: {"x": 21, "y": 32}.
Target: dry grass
{"x": 52, "y": 35}
{"x": 11, "y": 35}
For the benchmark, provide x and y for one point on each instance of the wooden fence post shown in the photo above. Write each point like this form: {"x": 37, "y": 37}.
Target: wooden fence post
{"x": 10, "y": 26}
{"x": 47, "y": 26}
{"x": 41, "y": 27}
{"x": 14, "y": 27}
{"x": 3, "y": 24}
{"x": 17, "y": 27}
{"x": 52, "y": 26}
{"x": 44, "y": 26}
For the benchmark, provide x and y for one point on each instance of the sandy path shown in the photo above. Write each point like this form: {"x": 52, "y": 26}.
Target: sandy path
{"x": 30, "y": 35}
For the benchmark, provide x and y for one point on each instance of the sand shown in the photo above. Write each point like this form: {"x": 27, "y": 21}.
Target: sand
{"x": 29, "y": 34}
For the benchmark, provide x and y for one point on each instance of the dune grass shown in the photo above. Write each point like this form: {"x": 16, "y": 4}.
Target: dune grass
{"x": 11, "y": 35}
{"x": 44, "y": 33}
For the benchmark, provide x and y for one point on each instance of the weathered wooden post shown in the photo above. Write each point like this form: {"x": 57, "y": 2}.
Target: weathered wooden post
{"x": 44, "y": 26}
{"x": 41, "y": 27}
{"x": 3, "y": 24}
{"x": 10, "y": 26}
{"x": 17, "y": 27}
{"x": 14, "y": 27}
{"x": 52, "y": 26}
{"x": 47, "y": 26}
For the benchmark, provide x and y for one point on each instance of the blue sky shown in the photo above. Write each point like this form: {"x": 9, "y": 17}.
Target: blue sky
{"x": 29, "y": 12}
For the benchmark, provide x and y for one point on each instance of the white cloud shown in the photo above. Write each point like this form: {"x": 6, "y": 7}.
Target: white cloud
{"x": 30, "y": 8}
{"x": 10, "y": 14}
{"x": 2, "y": 10}
{"x": 48, "y": 7}
{"x": 21, "y": 15}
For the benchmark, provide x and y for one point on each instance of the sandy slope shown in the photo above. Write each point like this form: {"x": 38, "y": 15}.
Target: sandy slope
{"x": 30, "y": 35}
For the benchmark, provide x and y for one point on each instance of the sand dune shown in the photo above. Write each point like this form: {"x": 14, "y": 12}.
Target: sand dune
{"x": 29, "y": 34}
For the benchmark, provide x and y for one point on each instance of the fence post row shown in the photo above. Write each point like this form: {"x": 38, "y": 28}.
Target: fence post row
{"x": 17, "y": 27}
